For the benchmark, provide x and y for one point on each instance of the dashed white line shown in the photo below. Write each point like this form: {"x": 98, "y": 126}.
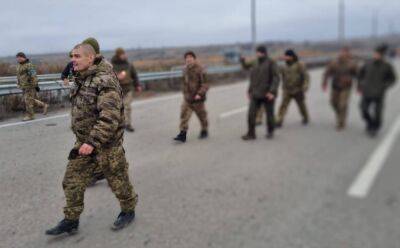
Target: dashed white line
{"x": 365, "y": 179}
{"x": 233, "y": 112}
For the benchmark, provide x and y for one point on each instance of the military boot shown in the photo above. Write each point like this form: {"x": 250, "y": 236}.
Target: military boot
{"x": 269, "y": 135}
{"x": 249, "y": 136}
{"x": 129, "y": 128}
{"x": 65, "y": 226}
{"x": 123, "y": 220}
{"x": 181, "y": 137}
{"x": 203, "y": 134}
{"x": 28, "y": 118}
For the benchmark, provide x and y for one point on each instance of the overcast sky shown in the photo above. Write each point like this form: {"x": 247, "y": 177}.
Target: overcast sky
{"x": 40, "y": 26}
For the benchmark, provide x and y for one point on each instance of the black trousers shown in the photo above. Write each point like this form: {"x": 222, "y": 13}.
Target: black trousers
{"x": 373, "y": 118}
{"x": 255, "y": 104}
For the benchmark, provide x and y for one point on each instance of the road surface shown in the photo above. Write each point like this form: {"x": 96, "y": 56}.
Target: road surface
{"x": 293, "y": 191}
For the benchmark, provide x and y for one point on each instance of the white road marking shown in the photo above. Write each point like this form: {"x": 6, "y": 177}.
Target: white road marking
{"x": 365, "y": 179}
{"x": 136, "y": 103}
{"x": 33, "y": 121}
{"x": 233, "y": 112}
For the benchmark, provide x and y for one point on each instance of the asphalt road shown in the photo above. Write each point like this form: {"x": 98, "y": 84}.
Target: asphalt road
{"x": 292, "y": 191}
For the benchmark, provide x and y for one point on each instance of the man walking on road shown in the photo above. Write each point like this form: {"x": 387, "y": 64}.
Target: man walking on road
{"x": 194, "y": 93}
{"x": 375, "y": 77}
{"x": 295, "y": 83}
{"x": 27, "y": 81}
{"x": 342, "y": 71}
{"x": 263, "y": 88}
{"x": 129, "y": 81}
{"x": 97, "y": 120}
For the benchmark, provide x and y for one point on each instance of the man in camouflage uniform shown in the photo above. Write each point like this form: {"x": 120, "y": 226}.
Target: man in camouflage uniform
{"x": 194, "y": 93}
{"x": 129, "y": 80}
{"x": 263, "y": 88}
{"x": 342, "y": 71}
{"x": 295, "y": 84}
{"x": 97, "y": 120}
{"x": 28, "y": 83}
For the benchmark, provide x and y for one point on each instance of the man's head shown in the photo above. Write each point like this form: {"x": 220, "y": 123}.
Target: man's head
{"x": 21, "y": 57}
{"x": 121, "y": 54}
{"x": 290, "y": 56}
{"x": 93, "y": 43}
{"x": 261, "y": 52}
{"x": 190, "y": 57}
{"x": 380, "y": 51}
{"x": 345, "y": 53}
{"x": 83, "y": 56}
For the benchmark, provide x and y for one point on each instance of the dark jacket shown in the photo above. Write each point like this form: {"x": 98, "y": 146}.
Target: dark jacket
{"x": 375, "y": 77}
{"x": 194, "y": 82}
{"x": 264, "y": 77}
{"x": 131, "y": 80}
{"x": 68, "y": 71}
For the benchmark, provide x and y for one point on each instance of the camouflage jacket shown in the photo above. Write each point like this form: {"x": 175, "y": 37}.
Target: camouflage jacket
{"x": 295, "y": 78}
{"x": 26, "y": 75}
{"x": 131, "y": 80}
{"x": 264, "y": 77}
{"x": 97, "y": 113}
{"x": 342, "y": 72}
{"x": 194, "y": 82}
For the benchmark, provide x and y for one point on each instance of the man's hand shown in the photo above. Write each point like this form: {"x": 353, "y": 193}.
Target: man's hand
{"x": 270, "y": 96}
{"x": 138, "y": 89}
{"x": 324, "y": 87}
{"x": 86, "y": 149}
{"x": 121, "y": 75}
{"x": 197, "y": 97}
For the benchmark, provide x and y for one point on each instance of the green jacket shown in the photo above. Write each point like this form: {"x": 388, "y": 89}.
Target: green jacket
{"x": 375, "y": 77}
{"x": 26, "y": 75}
{"x": 264, "y": 77}
{"x": 131, "y": 80}
{"x": 97, "y": 112}
{"x": 295, "y": 78}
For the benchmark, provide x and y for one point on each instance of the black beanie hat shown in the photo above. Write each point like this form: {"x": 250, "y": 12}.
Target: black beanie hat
{"x": 290, "y": 53}
{"x": 262, "y": 49}
{"x": 382, "y": 49}
{"x": 21, "y": 54}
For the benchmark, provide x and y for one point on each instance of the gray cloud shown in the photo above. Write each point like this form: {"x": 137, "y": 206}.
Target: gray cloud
{"x": 53, "y": 26}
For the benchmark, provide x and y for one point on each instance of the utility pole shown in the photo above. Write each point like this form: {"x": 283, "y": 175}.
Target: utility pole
{"x": 253, "y": 24}
{"x": 375, "y": 24}
{"x": 341, "y": 23}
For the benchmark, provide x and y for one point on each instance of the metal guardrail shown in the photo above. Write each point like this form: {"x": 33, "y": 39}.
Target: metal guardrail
{"x": 55, "y": 84}
{"x": 49, "y": 82}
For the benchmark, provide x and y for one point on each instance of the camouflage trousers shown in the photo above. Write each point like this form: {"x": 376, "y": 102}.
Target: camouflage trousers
{"x": 286, "y": 99}
{"x": 340, "y": 102}
{"x": 186, "y": 112}
{"x": 128, "y": 98}
{"x": 30, "y": 100}
{"x": 79, "y": 174}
